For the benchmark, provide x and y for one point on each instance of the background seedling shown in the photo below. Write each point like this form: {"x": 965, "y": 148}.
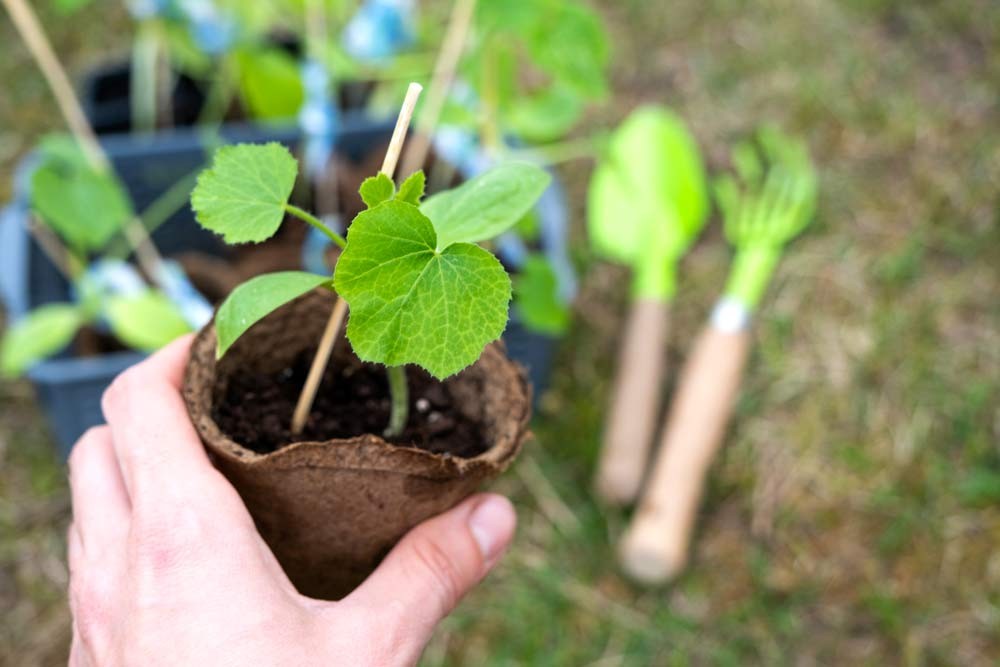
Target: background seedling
{"x": 420, "y": 290}
{"x": 763, "y": 208}
{"x": 647, "y": 203}
{"x": 34, "y": 37}
{"x": 76, "y": 194}
{"x": 562, "y": 42}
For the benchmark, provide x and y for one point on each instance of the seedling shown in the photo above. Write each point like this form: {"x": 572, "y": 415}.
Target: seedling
{"x": 77, "y": 195}
{"x": 769, "y": 203}
{"x": 82, "y": 210}
{"x": 647, "y": 203}
{"x": 561, "y": 42}
{"x": 420, "y": 290}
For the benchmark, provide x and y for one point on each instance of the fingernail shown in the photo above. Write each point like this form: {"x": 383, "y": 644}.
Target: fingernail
{"x": 492, "y": 525}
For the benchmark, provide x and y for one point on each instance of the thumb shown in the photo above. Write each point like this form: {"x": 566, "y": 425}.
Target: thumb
{"x": 438, "y": 562}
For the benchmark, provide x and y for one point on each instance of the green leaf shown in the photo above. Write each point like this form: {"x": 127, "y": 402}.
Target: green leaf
{"x": 537, "y": 300}
{"x": 569, "y": 42}
{"x": 529, "y": 226}
{"x": 62, "y": 149}
{"x": 256, "y": 298}
{"x": 39, "y": 334}
{"x": 487, "y": 205}
{"x": 413, "y": 304}
{"x": 67, "y": 7}
{"x": 244, "y": 194}
{"x": 270, "y": 83}
{"x": 544, "y": 116}
{"x": 84, "y": 206}
{"x": 146, "y": 321}
{"x": 412, "y": 189}
{"x": 377, "y": 189}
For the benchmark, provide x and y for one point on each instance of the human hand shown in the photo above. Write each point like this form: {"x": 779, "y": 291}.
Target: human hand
{"x": 166, "y": 566}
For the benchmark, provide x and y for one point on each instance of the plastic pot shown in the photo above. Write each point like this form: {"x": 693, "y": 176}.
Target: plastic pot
{"x": 69, "y": 387}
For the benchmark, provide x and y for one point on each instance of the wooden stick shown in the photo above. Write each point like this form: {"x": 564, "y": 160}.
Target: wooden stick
{"x": 444, "y": 74}
{"x": 60, "y": 256}
{"x": 304, "y": 405}
{"x": 399, "y": 133}
{"x": 318, "y": 367}
{"x": 635, "y": 401}
{"x": 655, "y": 547}
{"x": 34, "y": 37}
{"x": 41, "y": 49}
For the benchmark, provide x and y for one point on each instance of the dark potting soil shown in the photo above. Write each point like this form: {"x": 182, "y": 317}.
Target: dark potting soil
{"x": 353, "y": 400}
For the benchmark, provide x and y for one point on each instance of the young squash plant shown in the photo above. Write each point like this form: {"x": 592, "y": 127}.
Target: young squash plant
{"x": 86, "y": 208}
{"x": 419, "y": 288}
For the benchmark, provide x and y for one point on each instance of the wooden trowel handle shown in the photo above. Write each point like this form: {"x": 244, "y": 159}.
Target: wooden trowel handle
{"x": 655, "y": 546}
{"x": 634, "y": 402}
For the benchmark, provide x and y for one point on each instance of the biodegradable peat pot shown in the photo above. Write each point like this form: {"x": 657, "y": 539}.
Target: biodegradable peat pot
{"x": 331, "y": 509}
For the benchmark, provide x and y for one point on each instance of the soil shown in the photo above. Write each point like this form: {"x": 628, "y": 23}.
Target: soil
{"x": 255, "y": 409}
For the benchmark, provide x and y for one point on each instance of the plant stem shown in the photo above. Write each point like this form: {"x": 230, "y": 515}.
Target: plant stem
{"x": 317, "y": 223}
{"x": 491, "y": 138}
{"x": 158, "y": 212}
{"x": 400, "y": 393}
{"x": 220, "y": 93}
{"x": 143, "y": 81}
{"x": 555, "y": 153}
{"x": 55, "y": 76}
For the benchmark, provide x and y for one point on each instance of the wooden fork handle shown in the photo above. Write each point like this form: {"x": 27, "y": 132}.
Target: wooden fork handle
{"x": 634, "y": 402}
{"x": 655, "y": 547}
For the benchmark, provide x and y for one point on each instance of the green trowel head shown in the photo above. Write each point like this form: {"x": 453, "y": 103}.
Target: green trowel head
{"x": 647, "y": 199}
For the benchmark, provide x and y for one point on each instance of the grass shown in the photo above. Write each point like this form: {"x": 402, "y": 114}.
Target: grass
{"x": 854, "y": 515}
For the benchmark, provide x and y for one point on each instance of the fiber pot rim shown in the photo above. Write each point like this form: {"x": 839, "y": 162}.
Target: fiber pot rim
{"x": 364, "y": 452}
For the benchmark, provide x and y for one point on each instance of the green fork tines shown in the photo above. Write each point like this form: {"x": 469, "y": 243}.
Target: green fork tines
{"x": 769, "y": 201}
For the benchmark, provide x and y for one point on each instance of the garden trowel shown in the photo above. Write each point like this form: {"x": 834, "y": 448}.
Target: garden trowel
{"x": 647, "y": 202}
{"x": 762, "y": 212}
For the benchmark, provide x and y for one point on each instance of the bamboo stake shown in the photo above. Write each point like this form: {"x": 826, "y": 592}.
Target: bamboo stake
{"x": 444, "y": 74}
{"x": 41, "y": 50}
{"x": 34, "y": 38}
{"x": 318, "y": 367}
{"x": 60, "y": 256}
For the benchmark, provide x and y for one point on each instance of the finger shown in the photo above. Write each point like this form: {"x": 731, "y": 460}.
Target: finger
{"x": 153, "y": 438}
{"x": 101, "y": 507}
{"x": 438, "y": 562}
{"x": 74, "y": 553}
{"x": 93, "y": 590}
{"x": 77, "y": 652}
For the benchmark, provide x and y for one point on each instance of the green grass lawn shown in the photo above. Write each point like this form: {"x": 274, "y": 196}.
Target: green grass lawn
{"x": 854, "y": 515}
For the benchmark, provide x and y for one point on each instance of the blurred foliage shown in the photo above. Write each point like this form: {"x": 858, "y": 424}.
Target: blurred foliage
{"x": 853, "y": 516}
